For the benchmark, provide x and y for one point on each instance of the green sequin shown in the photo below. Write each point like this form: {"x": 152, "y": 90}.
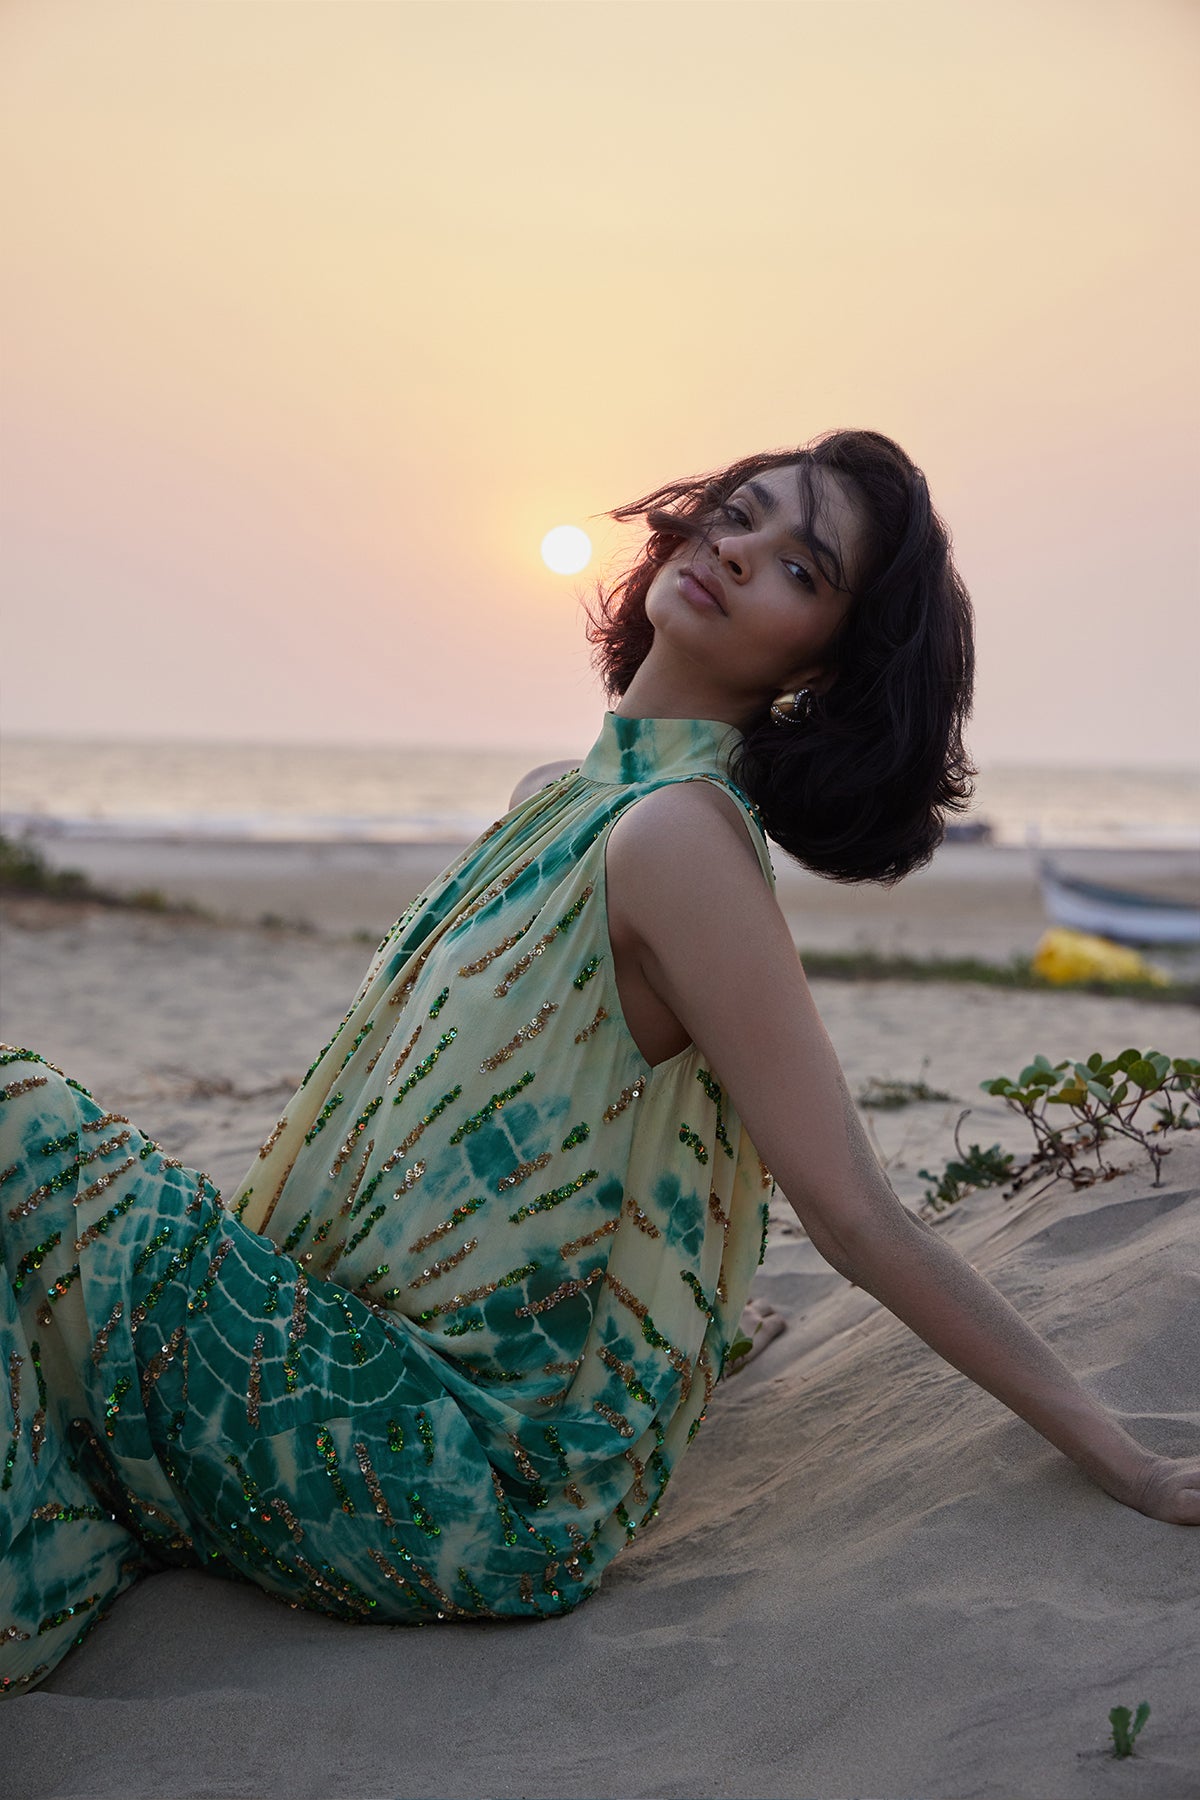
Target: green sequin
{"x": 554, "y": 1197}
{"x": 479, "y": 1119}
{"x": 323, "y": 1117}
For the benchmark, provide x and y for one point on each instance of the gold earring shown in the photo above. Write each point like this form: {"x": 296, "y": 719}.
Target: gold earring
{"x": 793, "y": 708}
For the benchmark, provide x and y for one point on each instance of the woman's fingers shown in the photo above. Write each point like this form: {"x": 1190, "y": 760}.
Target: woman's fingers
{"x": 1173, "y": 1492}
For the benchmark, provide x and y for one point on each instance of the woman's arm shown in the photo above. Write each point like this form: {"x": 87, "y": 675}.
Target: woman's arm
{"x": 685, "y": 889}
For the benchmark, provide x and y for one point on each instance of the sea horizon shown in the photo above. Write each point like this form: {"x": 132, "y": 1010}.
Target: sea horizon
{"x": 388, "y": 793}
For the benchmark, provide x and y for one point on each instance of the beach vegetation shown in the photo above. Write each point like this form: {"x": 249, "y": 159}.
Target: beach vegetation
{"x": 1074, "y": 1109}
{"x": 1126, "y": 1726}
{"x": 889, "y": 1095}
{"x": 968, "y": 1169}
{"x": 1018, "y": 973}
{"x": 24, "y": 870}
{"x": 1097, "y": 1101}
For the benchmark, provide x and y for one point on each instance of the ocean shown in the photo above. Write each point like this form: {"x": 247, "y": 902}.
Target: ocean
{"x": 396, "y": 794}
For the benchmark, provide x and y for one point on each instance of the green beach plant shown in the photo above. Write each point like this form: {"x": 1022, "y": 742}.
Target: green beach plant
{"x": 1126, "y": 1726}
{"x": 1018, "y": 973}
{"x": 971, "y": 1168}
{"x": 1101, "y": 1100}
{"x": 1095, "y": 1101}
{"x": 883, "y": 1094}
{"x": 24, "y": 870}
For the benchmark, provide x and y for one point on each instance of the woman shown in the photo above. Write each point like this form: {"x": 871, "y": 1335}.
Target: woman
{"x": 464, "y": 1314}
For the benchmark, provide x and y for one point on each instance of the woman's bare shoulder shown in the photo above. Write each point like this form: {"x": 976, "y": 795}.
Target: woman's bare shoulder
{"x": 537, "y": 779}
{"x": 684, "y": 847}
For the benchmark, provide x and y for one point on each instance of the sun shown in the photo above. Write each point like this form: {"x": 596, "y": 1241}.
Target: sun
{"x": 566, "y": 549}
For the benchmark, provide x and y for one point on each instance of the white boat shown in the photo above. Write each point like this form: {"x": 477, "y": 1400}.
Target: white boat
{"x": 1117, "y": 913}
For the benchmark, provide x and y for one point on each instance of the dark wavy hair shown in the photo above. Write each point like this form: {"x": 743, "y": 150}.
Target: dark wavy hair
{"x": 859, "y": 792}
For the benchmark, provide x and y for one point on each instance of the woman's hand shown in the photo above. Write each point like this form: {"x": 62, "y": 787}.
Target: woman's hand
{"x": 1170, "y": 1491}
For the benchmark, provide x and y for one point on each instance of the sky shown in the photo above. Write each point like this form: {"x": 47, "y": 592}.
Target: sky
{"x": 318, "y": 314}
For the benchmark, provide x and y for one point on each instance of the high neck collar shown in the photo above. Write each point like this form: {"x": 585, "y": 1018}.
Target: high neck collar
{"x": 633, "y": 752}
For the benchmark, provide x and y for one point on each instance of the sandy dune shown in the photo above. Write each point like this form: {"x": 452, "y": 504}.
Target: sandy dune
{"x": 868, "y": 1579}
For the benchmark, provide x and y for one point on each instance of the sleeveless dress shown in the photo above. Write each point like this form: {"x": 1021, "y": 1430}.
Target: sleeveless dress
{"x": 438, "y": 1356}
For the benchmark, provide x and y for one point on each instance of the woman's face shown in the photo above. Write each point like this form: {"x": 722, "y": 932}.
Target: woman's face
{"x": 759, "y": 602}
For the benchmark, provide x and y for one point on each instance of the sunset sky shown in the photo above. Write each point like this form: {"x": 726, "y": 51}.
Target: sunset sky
{"x": 317, "y": 316}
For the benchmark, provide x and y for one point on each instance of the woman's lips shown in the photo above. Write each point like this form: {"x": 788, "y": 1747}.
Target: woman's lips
{"x": 697, "y": 592}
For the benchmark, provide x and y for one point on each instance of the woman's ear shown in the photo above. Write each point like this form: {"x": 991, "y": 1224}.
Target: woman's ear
{"x": 818, "y": 678}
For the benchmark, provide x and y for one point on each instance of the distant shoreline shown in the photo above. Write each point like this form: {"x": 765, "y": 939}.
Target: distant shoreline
{"x": 973, "y": 900}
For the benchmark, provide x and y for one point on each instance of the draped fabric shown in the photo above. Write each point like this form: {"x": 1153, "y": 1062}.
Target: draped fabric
{"x": 440, "y": 1352}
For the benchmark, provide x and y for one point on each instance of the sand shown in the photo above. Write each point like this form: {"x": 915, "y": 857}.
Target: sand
{"x": 972, "y": 900}
{"x": 868, "y": 1579}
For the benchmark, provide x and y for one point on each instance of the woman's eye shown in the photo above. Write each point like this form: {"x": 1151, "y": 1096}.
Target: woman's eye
{"x": 737, "y": 516}
{"x": 801, "y": 574}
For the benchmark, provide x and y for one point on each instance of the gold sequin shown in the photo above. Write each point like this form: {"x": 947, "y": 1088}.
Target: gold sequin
{"x": 105, "y": 1332}
{"x": 497, "y": 887}
{"x": 522, "y": 1172}
{"x": 393, "y": 1574}
{"x": 447, "y": 1262}
{"x": 404, "y": 1054}
{"x": 626, "y": 1098}
{"x": 356, "y": 1130}
{"x": 297, "y": 1326}
{"x": 287, "y": 1515}
{"x": 410, "y": 1181}
{"x": 447, "y": 1225}
{"x": 26, "y": 1086}
{"x": 372, "y": 1483}
{"x": 617, "y": 1420}
{"x": 98, "y": 1228}
{"x": 526, "y": 1033}
{"x": 435, "y": 1111}
{"x": 270, "y": 1143}
{"x": 478, "y": 1293}
{"x": 521, "y": 1458}
{"x": 526, "y": 962}
{"x": 347, "y": 1205}
{"x": 254, "y": 1385}
{"x": 581, "y": 1037}
{"x": 489, "y": 956}
{"x": 566, "y": 1291}
{"x": 567, "y": 1251}
{"x": 160, "y": 1362}
{"x": 639, "y": 1471}
{"x": 633, "y": 1211}
{"x": 629, "y": 1375}
{"x": 653, "y": 1336}
{"x": 706, "y": 1369}
{"x": 108, "y": 1118}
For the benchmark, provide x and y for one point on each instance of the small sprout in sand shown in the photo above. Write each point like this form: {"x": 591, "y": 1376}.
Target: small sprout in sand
{"x": 1125, "y": 1728}
{"x": 973, "y": 1167}
{"x": 887, "y": 1095}
{"x": 737, "y": 1353}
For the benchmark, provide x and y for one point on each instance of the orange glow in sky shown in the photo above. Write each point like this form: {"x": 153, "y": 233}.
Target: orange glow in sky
{"x": 319, "y": 316}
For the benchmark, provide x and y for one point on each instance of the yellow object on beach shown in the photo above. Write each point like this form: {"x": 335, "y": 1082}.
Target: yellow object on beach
{"x": 1063, "y": 956}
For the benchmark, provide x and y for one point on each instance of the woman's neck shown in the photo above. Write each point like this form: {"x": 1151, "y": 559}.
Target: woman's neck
{"x": 658, "y": 692}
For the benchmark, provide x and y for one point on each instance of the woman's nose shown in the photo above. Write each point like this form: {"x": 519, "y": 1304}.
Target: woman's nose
{"x": 731, "y": 554}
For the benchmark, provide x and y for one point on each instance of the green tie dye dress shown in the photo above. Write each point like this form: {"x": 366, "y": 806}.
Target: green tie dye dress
{"x": 440, "y": 1353}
